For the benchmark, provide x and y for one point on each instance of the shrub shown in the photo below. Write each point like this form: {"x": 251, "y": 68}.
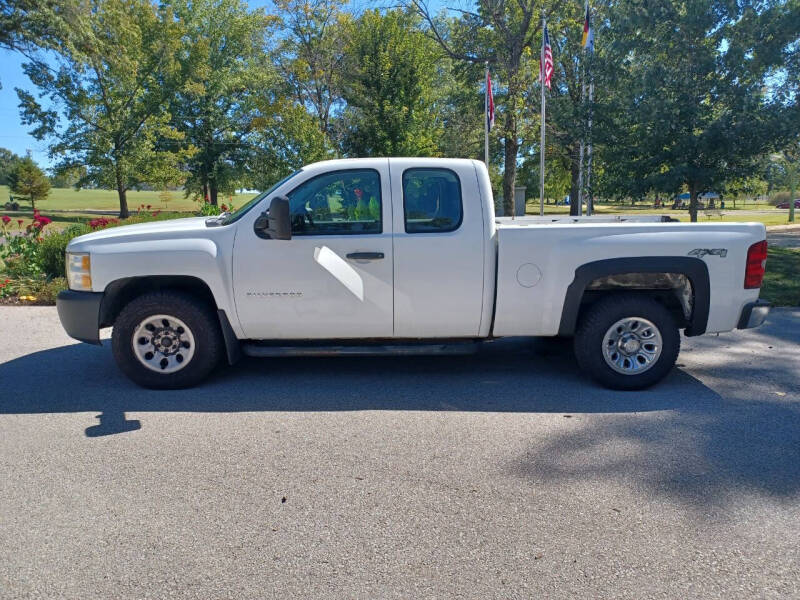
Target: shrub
{"x": 20, "y": 252}
{"x": 209, "y": 210}
{"x": 779, "y": 197}
{"x": 53, "y": 246}
{"x": 32, "y": 263}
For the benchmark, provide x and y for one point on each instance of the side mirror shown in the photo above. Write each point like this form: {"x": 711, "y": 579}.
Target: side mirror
{"x": 275, "y": 223}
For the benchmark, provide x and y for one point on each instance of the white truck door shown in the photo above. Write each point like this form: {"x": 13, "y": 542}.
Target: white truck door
{"x": 438, "y": 249}
{"x": 333, "y": 279}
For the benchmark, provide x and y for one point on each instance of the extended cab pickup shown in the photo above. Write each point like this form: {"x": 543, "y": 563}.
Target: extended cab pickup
{"x": 405, "y": 255}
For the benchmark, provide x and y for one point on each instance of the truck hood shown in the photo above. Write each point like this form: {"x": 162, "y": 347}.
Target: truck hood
{"x": 141, "y": 232}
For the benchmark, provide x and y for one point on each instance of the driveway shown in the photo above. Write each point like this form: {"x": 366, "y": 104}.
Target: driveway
{"x": 784, "y": 237}
{"x": 501, "y": 475}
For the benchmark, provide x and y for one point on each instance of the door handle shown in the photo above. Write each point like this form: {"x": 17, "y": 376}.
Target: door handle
{"x": 365, "y": 255}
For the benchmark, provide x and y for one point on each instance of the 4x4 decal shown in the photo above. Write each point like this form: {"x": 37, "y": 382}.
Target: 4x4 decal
{"x": 701, "y": 252}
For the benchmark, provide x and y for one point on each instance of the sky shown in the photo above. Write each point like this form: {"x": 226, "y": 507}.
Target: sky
{"x": 14, "y": 135}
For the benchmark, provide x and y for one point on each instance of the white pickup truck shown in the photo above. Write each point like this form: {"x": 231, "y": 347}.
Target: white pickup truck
{"x": 405, "y": 255}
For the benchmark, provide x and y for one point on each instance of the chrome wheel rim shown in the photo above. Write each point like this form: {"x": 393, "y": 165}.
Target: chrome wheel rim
{"x": 632, "y": 345}
{"x": 163, "y": 343}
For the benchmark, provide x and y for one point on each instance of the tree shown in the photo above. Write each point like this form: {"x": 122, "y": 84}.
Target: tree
{"x": 29, "y": 181}
{"x": 223, "y": 66}
{"x": 388, "y": 82}
{"x": 500, "y": 34}
{"x": 29, "y": 24}
{"x": 284, "y": 138}
{"x": 566, "y": 105}
{"x": 788, "y": 160}
{"x": 115, "y": 70}
{"x": 310, "y": 57}
{"x": 67, "y": 177}
{"x": 8, "y": 163}
{"x": 690, "y": 99}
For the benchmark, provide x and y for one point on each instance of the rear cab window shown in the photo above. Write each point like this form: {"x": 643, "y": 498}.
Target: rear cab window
{"x": 431, "y": 200}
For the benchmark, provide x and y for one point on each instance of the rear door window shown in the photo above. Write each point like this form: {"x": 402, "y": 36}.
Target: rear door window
{"x": 431, "y": 200}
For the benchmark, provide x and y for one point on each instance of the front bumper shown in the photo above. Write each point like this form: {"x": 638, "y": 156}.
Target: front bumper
{"x": 80, "y": 314}
{"x": 753, "y": 314}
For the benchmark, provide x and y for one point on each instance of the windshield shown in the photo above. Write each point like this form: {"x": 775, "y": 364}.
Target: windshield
{"x": 244, "y": 208}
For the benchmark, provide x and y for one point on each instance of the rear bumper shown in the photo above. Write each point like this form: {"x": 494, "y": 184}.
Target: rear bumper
{"x": 80, "y": 314}
{"x": 753, "y": 314}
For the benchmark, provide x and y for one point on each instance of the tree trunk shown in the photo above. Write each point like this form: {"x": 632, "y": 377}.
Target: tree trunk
{"x": 33, "y": 203}
{"x": 123, "y": 203}
{"x": 213, "y": 191}
{"x": 205, "y": 191}
{"x": 510, "y": 141}
{"x": 693, "y": 203}
{"x": 511, "y": 147}
{"x": 574, "y": 171}
{"x": 123, "y": 198}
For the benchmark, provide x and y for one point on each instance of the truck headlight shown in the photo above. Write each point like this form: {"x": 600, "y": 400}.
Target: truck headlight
{"x": 79, "y": 272}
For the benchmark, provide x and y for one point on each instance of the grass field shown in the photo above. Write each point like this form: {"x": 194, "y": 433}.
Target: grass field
{"x": 782, "y": 280}
{"x": 761, "y": 213}
{"x": 75, "y": 201}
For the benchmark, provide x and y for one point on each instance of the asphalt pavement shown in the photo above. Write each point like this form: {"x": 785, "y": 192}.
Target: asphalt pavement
{"x": 784, "y": 237}
{"x": 501, "y": 475}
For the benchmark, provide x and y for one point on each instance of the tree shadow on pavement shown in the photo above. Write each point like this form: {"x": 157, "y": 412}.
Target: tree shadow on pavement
{"x": 508, "y": 376}
{"x": 709, "y": 448}
{"x": 680, "y": 437}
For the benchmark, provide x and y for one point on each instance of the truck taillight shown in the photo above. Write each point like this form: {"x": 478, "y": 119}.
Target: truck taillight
{"x": 756, "y": 263}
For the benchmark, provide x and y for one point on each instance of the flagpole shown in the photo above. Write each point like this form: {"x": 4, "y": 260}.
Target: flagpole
{"x": 589, "y": 197}
{"x": 486, "y": 118}
{"x": 541, "y": 143}
{"x": 580, "y": 153}
{"x": 589, "y": 50}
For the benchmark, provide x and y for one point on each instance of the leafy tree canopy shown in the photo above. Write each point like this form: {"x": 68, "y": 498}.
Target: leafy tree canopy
{"x": 108, "y": 96}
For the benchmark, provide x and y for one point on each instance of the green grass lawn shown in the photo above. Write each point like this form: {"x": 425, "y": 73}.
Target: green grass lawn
{"x": 774, "y": 217}
{"x": 70, "y": 199}
{"x": 782, "y": 280}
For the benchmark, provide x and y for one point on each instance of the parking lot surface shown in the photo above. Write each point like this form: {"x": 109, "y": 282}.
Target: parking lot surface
{"x": 501, "y": 475}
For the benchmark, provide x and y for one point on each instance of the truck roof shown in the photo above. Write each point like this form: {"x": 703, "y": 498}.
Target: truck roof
{"x": 355, "y": 163}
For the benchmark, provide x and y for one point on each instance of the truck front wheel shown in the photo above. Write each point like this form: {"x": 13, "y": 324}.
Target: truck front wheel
{"x": 627, "y": 341}
{"x": 166, "y": 340}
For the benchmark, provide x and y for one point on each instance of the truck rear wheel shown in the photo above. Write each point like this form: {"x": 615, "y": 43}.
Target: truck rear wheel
{"x": 627, "y": 342}
{"x": 166, "y": 340}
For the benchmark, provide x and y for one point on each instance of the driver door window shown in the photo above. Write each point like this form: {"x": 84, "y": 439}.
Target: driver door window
{"x": 337, "y": 203}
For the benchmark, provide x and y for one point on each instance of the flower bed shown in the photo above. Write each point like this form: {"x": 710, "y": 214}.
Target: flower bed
{"x": 32, "y": 258}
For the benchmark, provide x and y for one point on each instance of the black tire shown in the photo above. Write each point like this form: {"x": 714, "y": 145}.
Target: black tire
{"x": 198, "y": 317}
{"x": 598, "y": 319}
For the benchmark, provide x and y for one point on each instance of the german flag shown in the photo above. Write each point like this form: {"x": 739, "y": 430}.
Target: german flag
{"x": 588, "y": 37}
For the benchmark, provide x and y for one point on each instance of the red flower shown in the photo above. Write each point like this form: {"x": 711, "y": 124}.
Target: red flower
{"x": 148, "y": 207}
{"x": 224, "y": 207}
{"x": 358, "y": 192}
{"x": 155, "y": 214}
{"x": 43, "y": 221}
{"x": 6, "y": 219}
{"x": 20, "y": 222}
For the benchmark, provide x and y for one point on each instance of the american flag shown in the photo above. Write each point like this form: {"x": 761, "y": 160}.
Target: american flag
{"x": 546, "y": 65}
{"x": 489, "y": 103}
